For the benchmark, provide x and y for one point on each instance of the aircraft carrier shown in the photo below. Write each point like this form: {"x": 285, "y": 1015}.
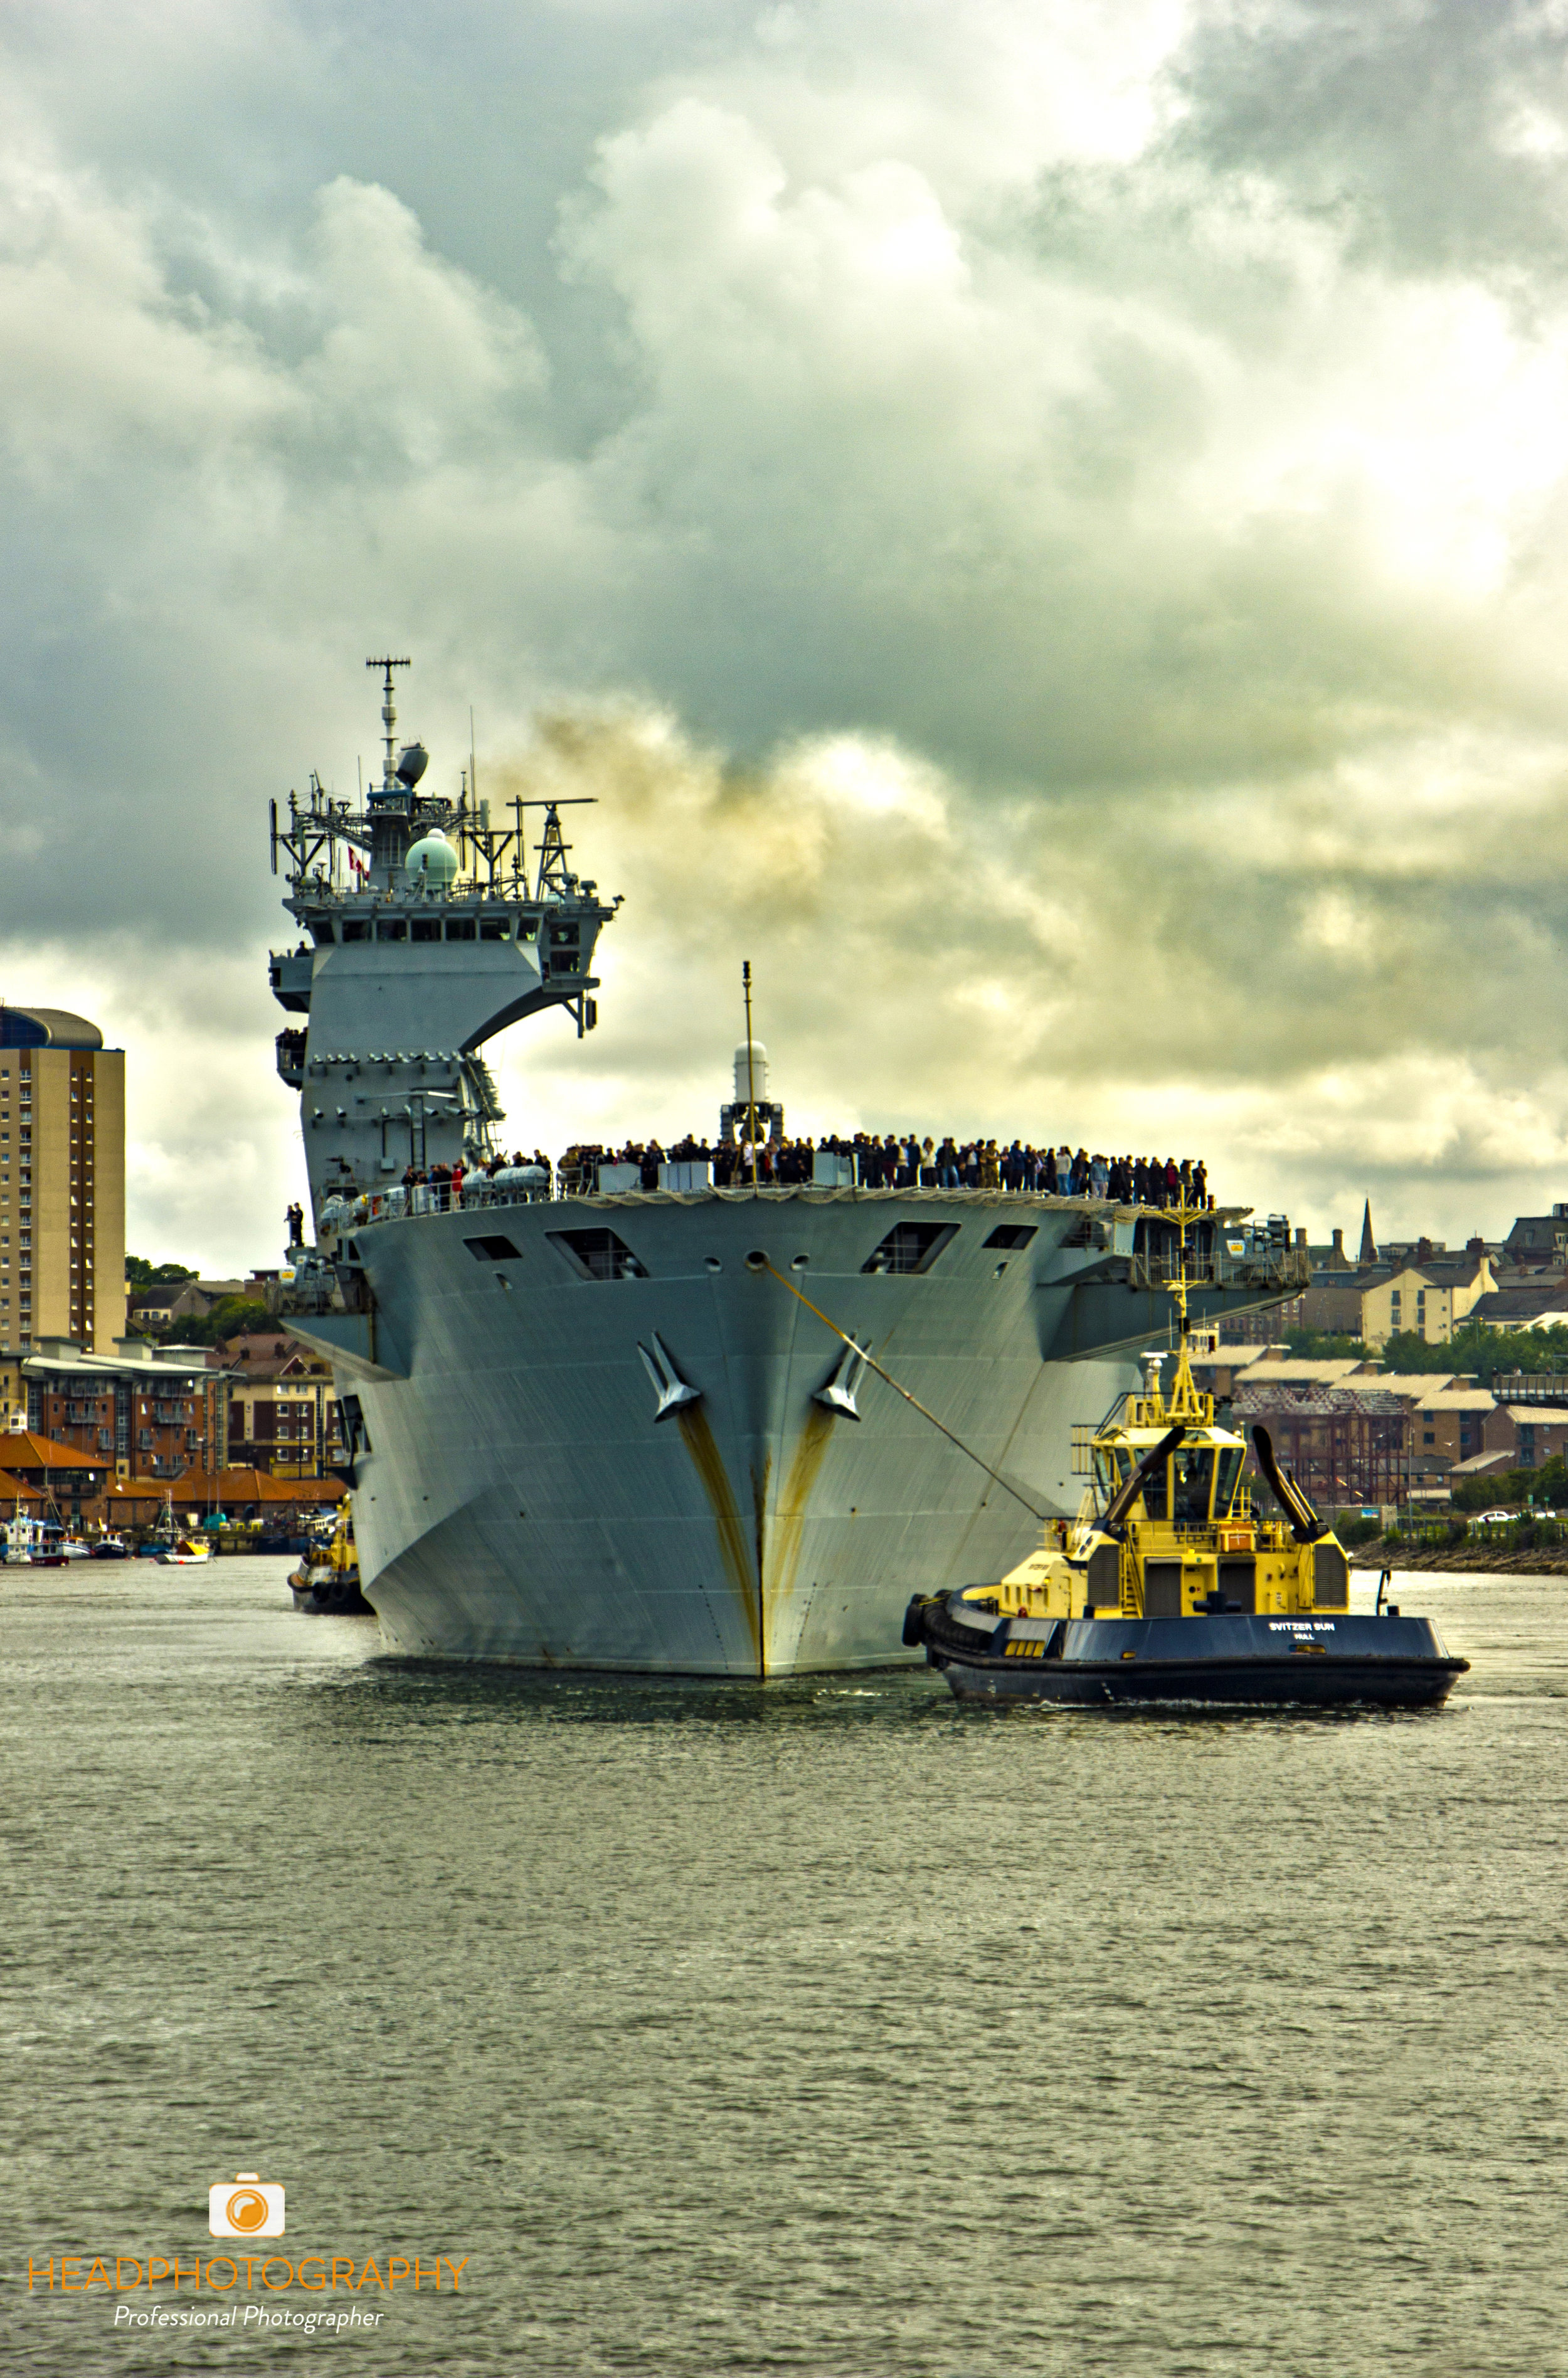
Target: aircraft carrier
{"x": 683, "y": 1429}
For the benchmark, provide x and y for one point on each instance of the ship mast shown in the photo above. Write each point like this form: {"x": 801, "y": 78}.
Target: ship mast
{"x": 750, "y": 1077}
{"x": 388, "y": 719}
{"x": 1185, "y": 1402}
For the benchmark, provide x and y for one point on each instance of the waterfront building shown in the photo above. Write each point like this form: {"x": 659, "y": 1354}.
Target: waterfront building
{"x": 61, "y": 1180}
{"x": 281, "y": 1411}
{"x": 149, "y": 1411}
{"x": 68, "y": 1481}
{"x": 1432, "y": 1295}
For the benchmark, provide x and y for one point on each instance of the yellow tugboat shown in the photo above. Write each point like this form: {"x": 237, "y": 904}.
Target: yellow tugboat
{"x": 1171, "y": 1588}
{"x": 326, "y": 1583}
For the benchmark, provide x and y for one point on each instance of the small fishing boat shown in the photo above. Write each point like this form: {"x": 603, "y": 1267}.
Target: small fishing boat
{"x": 326, "y": 1582}
{"x": 1171, "y": 1589}
{"x": 111, "y": 1548}
{"x": 163, "y": 1535}
{"x": 185, "y": 1551}
{"x": 23, "y": 1537}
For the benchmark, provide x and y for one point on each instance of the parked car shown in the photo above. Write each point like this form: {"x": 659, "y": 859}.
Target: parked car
{"x": 1488, "y": 1518}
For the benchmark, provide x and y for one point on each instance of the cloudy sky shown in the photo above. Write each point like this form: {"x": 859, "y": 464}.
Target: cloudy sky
{"x": 1042, "y": 526}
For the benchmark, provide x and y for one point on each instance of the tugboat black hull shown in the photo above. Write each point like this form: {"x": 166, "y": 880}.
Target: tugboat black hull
{"x": 1229, "y": 1662}
{"x": 334, "y": 1597}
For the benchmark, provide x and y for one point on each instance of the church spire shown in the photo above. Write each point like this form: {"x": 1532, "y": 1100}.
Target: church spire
{"x": 1368, "y": 1253}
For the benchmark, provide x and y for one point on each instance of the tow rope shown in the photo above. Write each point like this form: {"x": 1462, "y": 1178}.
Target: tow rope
{"x": 968, "y": 1450}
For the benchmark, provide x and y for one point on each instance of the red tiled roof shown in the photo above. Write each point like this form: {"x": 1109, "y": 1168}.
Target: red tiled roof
{"x": 252, "y": 1486}
{"x": 24, "y": 1451}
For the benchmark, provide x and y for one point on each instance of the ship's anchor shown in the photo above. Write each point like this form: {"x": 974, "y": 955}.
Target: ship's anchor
{"x": 669, "y": 1384}
{"x": 839, "y": 1392}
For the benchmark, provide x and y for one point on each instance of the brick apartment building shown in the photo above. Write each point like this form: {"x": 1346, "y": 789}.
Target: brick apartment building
{"x": 281, "y": 1413}
{"x": 146, "y": 1412}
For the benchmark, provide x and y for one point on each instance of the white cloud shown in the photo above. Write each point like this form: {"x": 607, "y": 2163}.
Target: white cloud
{"x": 1030, "y": 537}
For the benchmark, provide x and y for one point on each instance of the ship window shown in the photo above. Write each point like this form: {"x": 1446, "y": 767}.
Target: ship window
{"x": 597, "y": 1254}
{"x": 1155, "y": 1492}
{"x": 392, "y": 929}
{"x": 495, "y": 928}
{"x": 1231, "y": 1456}
{"x": 460, "y": 929}
{"x": 355, "y": 929}
{"x": 425, "y": 928}
{"x": 1194, "y": 1471}
{"x": 911, "y": 1247}
{"x": 1012, "y": 1234}
{"x": 527, "y": 929}
{"x": 494, "y": 1248}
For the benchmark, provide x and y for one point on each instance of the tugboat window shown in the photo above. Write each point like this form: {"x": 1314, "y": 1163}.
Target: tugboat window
{"x": 1194, "y": 1468}
{"x": 1113, "y": 1467}
{"x": 1154, "y": 1491}
{"x": 1231, "y": 1456}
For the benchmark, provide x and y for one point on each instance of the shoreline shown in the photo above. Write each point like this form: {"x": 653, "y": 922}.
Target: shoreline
{"x": 1540, "y": 1560}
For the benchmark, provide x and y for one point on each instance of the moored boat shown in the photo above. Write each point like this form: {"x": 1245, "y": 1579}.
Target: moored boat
{"x": 1171, "y": 1589}
{"x": 185, "y": 1551}
{"x": 23, "y": 1537}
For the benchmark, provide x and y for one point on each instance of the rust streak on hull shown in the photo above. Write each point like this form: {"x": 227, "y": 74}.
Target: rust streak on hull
{"x": 708, "y": 1462}
{"x": 789, "y": 1520}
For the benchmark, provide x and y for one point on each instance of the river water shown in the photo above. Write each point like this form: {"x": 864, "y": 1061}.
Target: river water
{"x": 818, "y": 2028}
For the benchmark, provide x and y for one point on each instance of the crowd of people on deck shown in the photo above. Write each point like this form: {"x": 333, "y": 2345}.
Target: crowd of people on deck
{"x": 449, "y": 1178}
{"x": 893, "y": 1161}
{"x": 909, "y": 1161}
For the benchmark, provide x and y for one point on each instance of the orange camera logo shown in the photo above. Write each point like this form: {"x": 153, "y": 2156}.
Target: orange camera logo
{"x": 246, "y": 2207}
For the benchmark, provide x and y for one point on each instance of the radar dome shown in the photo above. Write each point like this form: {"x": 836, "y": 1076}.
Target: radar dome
{"x": 412, "y": 760}
{"x": 755, "y": 1074}
{"x": 432, "y": 862}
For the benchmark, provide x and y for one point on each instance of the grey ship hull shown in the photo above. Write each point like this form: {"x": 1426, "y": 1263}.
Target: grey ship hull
{"x": 520, "y": 1498}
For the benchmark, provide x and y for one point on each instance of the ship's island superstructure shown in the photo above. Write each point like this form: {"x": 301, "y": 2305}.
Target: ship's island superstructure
{"x": 693, "y": 1429}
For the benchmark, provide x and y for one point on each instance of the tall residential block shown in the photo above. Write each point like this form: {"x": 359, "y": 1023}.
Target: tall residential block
{"x": 62, "y": 1181}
